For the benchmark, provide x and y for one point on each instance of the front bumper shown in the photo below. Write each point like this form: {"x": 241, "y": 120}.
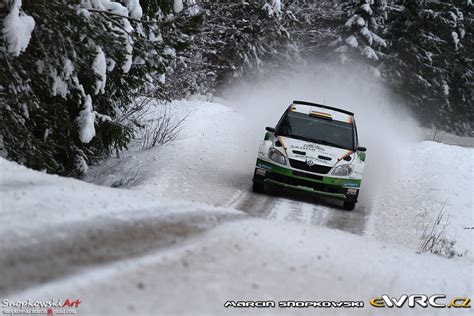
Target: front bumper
{"x": 338, "y": 188}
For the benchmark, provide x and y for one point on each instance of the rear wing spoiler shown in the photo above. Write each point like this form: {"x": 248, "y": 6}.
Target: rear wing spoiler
{"x": 323, "y": 106}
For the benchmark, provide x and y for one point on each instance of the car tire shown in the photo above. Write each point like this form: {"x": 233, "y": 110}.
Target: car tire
{"x": 349, "y": 206}
{"x": 258, "y": 187}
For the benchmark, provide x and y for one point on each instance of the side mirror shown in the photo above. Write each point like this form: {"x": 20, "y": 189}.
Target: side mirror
{"x": 363, "y": 149}
{"x": 270, "y": 129}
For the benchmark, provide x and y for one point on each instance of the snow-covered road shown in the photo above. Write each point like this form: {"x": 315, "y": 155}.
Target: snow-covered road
{"x": 288, "y": 206}
{"x": 127, "y": 252}
{"x": 213, "y": 163}
{"x": 187, "y": 234}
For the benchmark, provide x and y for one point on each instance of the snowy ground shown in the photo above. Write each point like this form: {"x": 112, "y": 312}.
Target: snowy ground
{"x": 213, "y": 163}
{"x": 180, "y": 241}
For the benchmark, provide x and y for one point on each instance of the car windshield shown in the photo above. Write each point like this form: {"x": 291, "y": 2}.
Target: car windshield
{"x": 317, "y": 130}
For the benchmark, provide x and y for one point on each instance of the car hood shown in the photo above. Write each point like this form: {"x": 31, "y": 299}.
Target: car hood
{"x": 319, "y": 154}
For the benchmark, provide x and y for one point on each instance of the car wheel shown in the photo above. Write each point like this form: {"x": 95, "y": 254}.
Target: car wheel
{"x": 258, "y": 187}
{"x": 349, "y": 206}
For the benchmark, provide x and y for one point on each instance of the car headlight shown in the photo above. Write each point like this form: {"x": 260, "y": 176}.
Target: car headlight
{"x": 277, "y": 156}
{"x": 343, "y": 170}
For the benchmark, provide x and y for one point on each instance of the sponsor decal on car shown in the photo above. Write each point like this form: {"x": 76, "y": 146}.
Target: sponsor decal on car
{"x": 307, "y": 147}
{"x": 351, "y": 184}
{"x": 264, "y": 166}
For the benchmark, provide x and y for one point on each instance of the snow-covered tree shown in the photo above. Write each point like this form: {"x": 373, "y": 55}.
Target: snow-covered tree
{"x": 68, "y": 73}
{"x": 235, "y": 38}
{"x": 365, "y": 19}
{"x": 312, "y": 25}
{"x": 431, "y": 62}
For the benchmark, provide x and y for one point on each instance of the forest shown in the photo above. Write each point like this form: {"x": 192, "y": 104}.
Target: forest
{"x": 72, "y": 72}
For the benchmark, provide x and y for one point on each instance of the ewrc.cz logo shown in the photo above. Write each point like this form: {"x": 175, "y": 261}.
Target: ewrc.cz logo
{"x": 420, "y": 300}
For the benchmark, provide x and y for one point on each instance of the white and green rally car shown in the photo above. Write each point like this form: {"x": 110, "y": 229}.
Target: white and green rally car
{"x": 313, "y": 148}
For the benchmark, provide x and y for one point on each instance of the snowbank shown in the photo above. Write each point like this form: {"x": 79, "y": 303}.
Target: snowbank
{"x": 55, "y": 226}
{"x": 210, "y": 162}
{"x": 433, "y": 178}
{"x": 32, "y": 200}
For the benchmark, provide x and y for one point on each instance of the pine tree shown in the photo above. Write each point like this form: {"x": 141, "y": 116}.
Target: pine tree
{"x": 236, "y": 39}
{"x": 312, "y": 25}
{"x": 431, "y": 64}
{"x": 365, "y": 19}
{"x": 65, "y": 90}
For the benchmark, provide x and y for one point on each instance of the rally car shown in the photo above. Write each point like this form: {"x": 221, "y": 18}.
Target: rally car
{"x": 313, "y": 148}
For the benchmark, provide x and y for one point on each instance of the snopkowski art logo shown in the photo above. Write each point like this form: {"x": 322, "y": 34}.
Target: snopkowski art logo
{"x": 49, "y": 307}
{"x": 421, "y": 300}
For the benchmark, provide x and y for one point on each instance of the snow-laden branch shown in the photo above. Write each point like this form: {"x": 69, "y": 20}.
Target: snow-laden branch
{"x": 120, "y": 16}
{"x": 17, "y": 29}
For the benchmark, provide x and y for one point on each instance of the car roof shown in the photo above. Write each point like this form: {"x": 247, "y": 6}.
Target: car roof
{"x": 322, "y": 111}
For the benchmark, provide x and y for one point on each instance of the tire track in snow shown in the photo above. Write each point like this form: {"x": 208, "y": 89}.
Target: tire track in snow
{"x": 353, "y": 222}
{"x": 320, "y": 215}
{"x": 307, "y": 213}
{"x": 281, "y": 212}
{"x": 294, "y": 207}
{"x": 255, "y": 204}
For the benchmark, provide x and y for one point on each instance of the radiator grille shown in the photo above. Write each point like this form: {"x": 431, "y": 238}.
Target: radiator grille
{"x": 304, "y": 166}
